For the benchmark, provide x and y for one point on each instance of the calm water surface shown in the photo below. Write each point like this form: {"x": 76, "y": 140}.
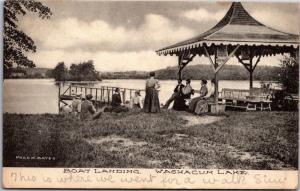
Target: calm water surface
{"x": 32, "y": 96}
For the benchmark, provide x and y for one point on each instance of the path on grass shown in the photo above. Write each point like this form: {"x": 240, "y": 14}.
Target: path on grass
{"x": 185, "y": 159}
{"x": 198, "y": 120}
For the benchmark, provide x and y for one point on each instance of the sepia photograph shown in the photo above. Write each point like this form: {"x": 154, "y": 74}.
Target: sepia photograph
{"x": 172, "y": 87}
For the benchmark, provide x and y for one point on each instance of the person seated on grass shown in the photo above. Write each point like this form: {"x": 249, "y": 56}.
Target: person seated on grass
{"x": 116, "y": 103}
{"x": 116, "y": 98}
{"x": 87, "y": 108}
{"x": 136, "y": 100}
{"x": 76, "y": 103}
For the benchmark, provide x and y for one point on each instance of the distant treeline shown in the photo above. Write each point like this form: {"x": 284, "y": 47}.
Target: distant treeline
{"x": 86, "y": 72}
{"x": 28, "y": 73}
{"x": 196, "y": 72}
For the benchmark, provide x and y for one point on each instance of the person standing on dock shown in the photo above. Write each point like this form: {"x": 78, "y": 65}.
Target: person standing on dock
{"x": 87, "y": 108}
{"x": 151, "y": 103}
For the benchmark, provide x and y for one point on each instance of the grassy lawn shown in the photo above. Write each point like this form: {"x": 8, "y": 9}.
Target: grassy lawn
{"x": 244, "y": 140}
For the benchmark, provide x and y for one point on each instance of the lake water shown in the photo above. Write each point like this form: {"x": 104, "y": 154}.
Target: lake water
{"x": 32, "y": 96}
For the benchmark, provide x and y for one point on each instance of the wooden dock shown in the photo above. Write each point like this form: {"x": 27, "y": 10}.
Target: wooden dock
{"x": 101, "y": 95}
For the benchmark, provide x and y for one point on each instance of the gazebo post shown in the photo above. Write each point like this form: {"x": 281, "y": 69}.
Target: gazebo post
{"x": 218, "y": 67}
{"x": 179, "y": 74}
{"x": 250, "y": 70}
{"x": 183, "y": 60}
{"x": 216, "y": 80}
{"x": 249, "y": 66}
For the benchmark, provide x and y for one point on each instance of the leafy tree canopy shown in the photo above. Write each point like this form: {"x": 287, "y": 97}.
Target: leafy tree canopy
{"x": 84, "y": 71}
{"x": 16, "y": 42}
{"x": 289, "y": 74}
{"x": 60, "y": 72}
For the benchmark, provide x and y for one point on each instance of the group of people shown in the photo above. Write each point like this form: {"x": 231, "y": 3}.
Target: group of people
{"x": 181, "y": 96}
{"x": 85, "y": 109}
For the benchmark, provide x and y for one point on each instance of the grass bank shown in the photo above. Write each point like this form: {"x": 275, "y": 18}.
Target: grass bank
{"x": 256, "y": 140}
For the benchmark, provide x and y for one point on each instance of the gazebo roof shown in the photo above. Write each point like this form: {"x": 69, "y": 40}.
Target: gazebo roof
{"x": 236, "y": 28}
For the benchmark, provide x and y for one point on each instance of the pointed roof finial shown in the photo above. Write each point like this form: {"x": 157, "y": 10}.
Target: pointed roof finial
{"x": 237, "y": 15}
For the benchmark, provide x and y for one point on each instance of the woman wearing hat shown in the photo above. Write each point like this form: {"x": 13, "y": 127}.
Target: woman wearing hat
{"x": 202, "y": 105}
{"x": 151, "y": 103}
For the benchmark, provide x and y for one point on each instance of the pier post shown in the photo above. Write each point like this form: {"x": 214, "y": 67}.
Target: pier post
{"x": 108, "y": 96}
{"x": 96, "y": 94}
{"x": 101, "y": 94}
{"x": 123, "y": 95}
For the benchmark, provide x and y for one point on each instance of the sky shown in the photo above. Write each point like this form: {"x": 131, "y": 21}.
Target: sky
{"x": 123, "y": 36}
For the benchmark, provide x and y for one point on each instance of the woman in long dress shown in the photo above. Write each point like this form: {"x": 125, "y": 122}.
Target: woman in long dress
{"x": 203, "y": 92}
{"x": 202, "y": 105}
{"x": 151, "y": 102}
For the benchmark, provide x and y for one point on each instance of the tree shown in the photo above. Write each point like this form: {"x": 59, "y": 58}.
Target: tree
{"x": 84, "y": 71}
{"x": 16, "y": 42}
{"x": 289, "y": 74}
{"x": 60, "y": 72}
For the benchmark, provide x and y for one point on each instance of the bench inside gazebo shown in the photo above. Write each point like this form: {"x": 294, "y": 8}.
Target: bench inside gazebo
{"x": 238, "y": 35}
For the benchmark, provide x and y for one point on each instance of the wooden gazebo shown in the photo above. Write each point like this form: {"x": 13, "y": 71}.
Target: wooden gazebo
{"x": 237, "y": 34}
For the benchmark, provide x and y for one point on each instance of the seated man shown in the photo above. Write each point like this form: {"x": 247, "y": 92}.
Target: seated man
{"x": 87, "y": 108}
{"x": 76, "y": 103}
{"x": 177, "y": 92}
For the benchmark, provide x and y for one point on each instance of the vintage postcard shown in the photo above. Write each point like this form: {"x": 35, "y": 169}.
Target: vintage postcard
{"x": 150, "y": 94}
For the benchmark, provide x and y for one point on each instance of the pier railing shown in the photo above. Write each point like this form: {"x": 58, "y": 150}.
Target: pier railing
{"x": 102, "y": 94}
